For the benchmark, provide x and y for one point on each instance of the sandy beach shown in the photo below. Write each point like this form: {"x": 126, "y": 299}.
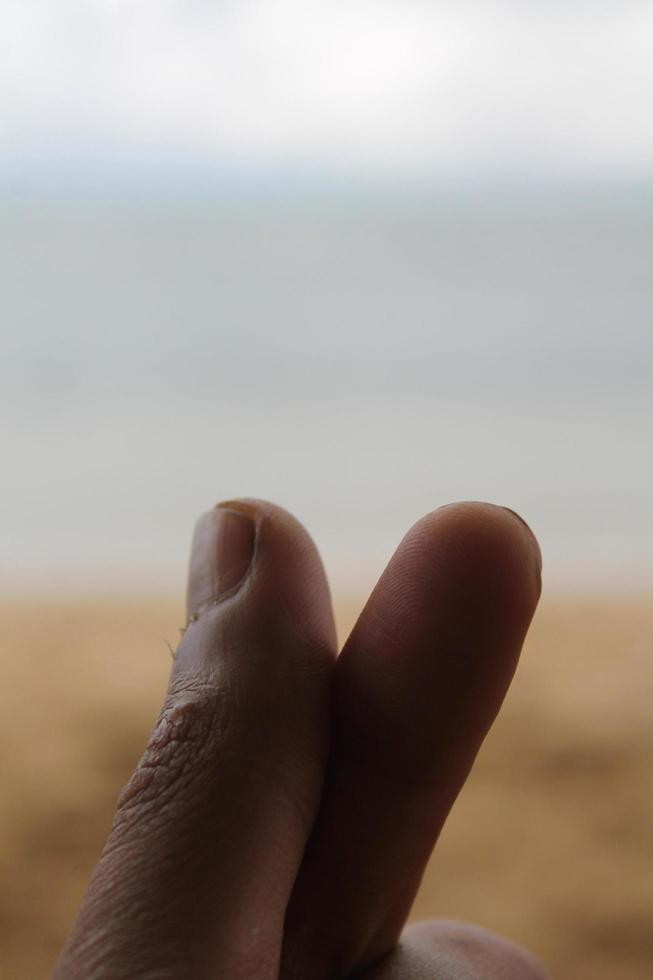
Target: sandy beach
{"x": 548, "y": 843}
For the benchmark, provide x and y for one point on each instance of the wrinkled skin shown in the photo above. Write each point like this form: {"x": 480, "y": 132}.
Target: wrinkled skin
{"x": 288, "y": 800}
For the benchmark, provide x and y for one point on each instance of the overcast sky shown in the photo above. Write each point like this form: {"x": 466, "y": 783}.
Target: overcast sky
{"x": 372, "y": 88}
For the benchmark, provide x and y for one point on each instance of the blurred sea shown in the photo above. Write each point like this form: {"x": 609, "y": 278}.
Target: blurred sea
{"x": 360, "y": 359}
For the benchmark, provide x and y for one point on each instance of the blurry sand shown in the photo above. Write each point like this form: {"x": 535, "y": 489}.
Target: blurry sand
{"x": 550, "y": 842}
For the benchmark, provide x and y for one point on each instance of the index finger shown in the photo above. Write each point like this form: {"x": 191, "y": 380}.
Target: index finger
{"x": 417, "y": 687}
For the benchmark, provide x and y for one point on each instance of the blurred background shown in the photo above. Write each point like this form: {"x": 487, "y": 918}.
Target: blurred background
{"x": 362, "y": 259}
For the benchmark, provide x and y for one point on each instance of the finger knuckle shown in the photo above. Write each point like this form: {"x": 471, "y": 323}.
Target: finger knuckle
{"x": 183, "y": 742}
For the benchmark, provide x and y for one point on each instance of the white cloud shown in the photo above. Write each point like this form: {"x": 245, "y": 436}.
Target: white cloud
{"x": 366, "y": 86}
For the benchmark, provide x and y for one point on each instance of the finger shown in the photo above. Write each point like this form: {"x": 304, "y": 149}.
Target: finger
{"x": 416, "y": 688}
{"x": 448, "y": 950}
{"x": 209, "y": 832}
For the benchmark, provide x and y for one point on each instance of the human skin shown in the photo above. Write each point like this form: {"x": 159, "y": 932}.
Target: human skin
{"x": 283, "y": 812}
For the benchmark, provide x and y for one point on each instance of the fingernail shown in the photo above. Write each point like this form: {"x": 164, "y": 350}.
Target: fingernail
{"x": 223, "y": 547}
{"x": 521, "y": 520}
{"x": 536, "y": 545}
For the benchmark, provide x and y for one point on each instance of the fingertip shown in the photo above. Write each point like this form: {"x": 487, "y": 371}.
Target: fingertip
{"x": 224, "y": 541}
{"x": 480, "y": 543}
{"x": 430, "y": 659}
{"x": 277, "y": 530}
{"x": 262, "y": 560}
{"x": 288, "y": 572}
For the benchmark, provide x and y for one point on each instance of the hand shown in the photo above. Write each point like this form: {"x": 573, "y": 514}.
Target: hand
{"x": 282, "y": 815}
